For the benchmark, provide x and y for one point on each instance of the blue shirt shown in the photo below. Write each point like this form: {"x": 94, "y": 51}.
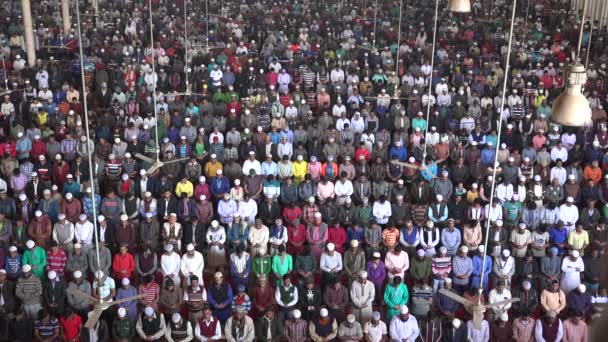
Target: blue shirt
{"x": 558, "y": 237}
{"x": 400, "y": 152}
{"x": 269, "y": 169}
{"x": 487, "y": 156}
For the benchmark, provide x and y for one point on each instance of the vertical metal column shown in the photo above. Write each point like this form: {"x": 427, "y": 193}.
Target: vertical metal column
{"x": 29, "y": 32}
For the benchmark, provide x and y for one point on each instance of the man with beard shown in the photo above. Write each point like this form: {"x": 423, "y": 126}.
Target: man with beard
{"x": 239, "y": 327}
{"x": 404, "y": 327}
{"x": 549, "y": 328}
{"x": 324, "y": 327}
{"x": 362, "y": 293}
{"x": 29, "y": 291}
{"x": 219, "y": 296}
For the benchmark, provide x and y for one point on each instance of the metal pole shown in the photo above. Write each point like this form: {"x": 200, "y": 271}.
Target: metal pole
{"x": 157, "y": 147}
{"x": 502, "y": 107}
{"x": 186, "y": 42}
{"x": 580, "y": 35}
{"x": 364, "y": 10}
{"x": 29, "y": 32}
{"x": 398, "y": 37}
{"x": 207, "y": 24}
{"x": 375, "y": 21}
{"x": 4, "y": 71}
{"x": 88, "y": 132}
{"x": 65, "y": 16}
{"x": 589, "y": 45}
{"x": 428, "y": 107}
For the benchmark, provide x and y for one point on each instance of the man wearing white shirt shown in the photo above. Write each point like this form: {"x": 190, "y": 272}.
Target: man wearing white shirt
{"x": 338, "y": 108}
{"x": 404, "y": 327}
{"x": 251, "y": 163}
{"x": 170, "y": 264}
{"x": 343, "y": 189}
{"x": 42, "y": 76}
{"x": 504, "y": 267}
{"x": 558, "y": 172}
{"x": 548, "y": 322}
{"x": 568, "y": 140}
{"x": 382, "y": 210}
{"x": 504, "y": 192}
{"x": 478, "y": 335}
{"x": 569, "y": 214}
{"x": 493, "y": 213}
{"x": 192, "y": 263}
{"x": 248, "y": 209}
{"x": 83, "y": 231}
{"x": 331, "y": 264}
{"x": 559, "y": 152}
{"x": 375, "y": 330}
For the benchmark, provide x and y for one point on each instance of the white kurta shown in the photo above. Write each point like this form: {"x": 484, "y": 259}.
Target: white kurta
{"x": 193, "y": 265}
{"x": 362, "y": 296}
{"x": 217, "y": 254}
{"x": 404, "y": 331}
{"x": 571, "y": 276}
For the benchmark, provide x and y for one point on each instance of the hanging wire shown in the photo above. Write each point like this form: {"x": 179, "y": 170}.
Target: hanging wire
{"x": 88, "y": 133}
{"x": 375, "y": 21}
{"x": 591, "y": 37}
{"x": 428, "y": 106}
{"x": 398, "y": 36}
{"x": 502, "y": 107}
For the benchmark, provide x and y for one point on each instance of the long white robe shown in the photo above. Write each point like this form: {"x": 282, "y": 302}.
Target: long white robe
{"x": 571, "y": 277}
{"x": 362, "y": 295}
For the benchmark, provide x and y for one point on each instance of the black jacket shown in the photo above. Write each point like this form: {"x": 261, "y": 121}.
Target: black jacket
{"x": 261, "y": 329}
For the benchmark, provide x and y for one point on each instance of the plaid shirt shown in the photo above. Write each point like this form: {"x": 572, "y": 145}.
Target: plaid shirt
{"x": 231, "y": 154}
{"x": 296, "y": 330}
{"x": 26, "y": 169}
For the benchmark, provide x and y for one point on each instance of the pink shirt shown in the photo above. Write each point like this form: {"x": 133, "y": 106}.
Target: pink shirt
{"x": 325, "y": 191}
{"x": 575, "y": 332}
{"x": 314, "y": 170}
{"x": 400, "y": 261}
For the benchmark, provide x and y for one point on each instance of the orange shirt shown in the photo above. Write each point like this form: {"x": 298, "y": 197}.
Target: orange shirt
{"x": 593, "y": 173}
{"x": 123, "y": 263}
{"x": 390, "y": 237}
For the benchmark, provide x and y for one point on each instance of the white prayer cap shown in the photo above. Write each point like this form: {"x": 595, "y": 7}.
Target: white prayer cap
{"x": 420, "y": 252}
{"x": 77, "y": 245}
{"x": 202, "y": 179}
{"x": 570, "y": 199}
{"x": 202, "y": 197}
{"x": 526, "y": 284}
{"x": 582, "y": 288}
{"x": 215, "y": 224}
{"x": 311, "y": 199}
{"x": 219, "y": 172}
{"x": 575, "y": 254}
{"x": 124, "y": 176}
{"x": 439, "y": 198}
{"x": 456, "y": 323}
{"x": 515, "y": 197}
{"x": 324, "y": 312}
{"x": 125, "y": 281}
{"x": 69, "y": 196}
{"x": 122, "y": 312}
{"x": 168, "y": 247}
{"x": 77, "y": 274}
{"x": 176, "y": 317}
{"x": 69, "y": 176}
{"x": 149, "y": 215}
{"x": 51, "y": 275}
{"x": 149, "y": 311}
{"x": 376, "y": 316}
{"x": 331, "y": 246}
{"x": 22, "y": 197}
{"x": 376, "y": 255}
{"x": 448, "y": 280}
{"x": 26, "y": 268}
{"x": 101, "y": 218}
{"x": 430, "y": 224}
{"x": 474, "y": 185}
{"x": 318, "y": 215}
{"x": 403, "y": 309}
{"x": 30, "y": 244}
{"x": 571, "y": 177}
{"x": 296, "y": 313}
{"x": 124, "y": 217}
{"x": 38, "y": 213}
{"x": 190, "y": 247}
{"x": 506, "y": 253}
{"x": 12, "y": 249}
{"x": 499, "y": 223}
{"x": 363, "y": 274}
{"x": 511, "y": 159}
{"x": 504, "y": 317}
{"x": 61, "y": 216}
{"x": 596, "y": 143}
{"x": 142, "y": 172}
{"x": 522, "y": 225}
{"x": 464, "y": 249}
{"x": 443, "y": 249}
{"x": 354, "y": 243}
{"x": 537, "y": 178}
{"x": 481, "y": 248}
{"x": 99, "y": 274}
{"x": 350, "y": 318}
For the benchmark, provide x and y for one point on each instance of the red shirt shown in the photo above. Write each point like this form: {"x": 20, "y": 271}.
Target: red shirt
{"x": 123, "y": 262}
{"x": 290, "y": 214}
{"x": 337, "y": 236}
{"x": 71, "y": 327}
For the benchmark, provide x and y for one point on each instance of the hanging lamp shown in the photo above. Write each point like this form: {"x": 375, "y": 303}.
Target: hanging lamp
{"x": 572, "y": 108}
{"x": 459, "y": 6}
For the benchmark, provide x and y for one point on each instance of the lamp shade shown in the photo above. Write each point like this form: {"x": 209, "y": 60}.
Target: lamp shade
{"x": 572, "y": 108}
{"x": 461, "y": 6}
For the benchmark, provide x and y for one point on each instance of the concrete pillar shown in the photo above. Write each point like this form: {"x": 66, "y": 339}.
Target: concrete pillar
{"x": 29, "y": 32}
{"x": 65, "y": 16}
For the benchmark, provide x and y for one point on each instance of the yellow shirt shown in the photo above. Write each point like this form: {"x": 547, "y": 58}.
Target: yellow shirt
{"x": 299, "y": 170}
{"x": 186, "y": 188}
{"x": 211, "y": 169}
{"x": 577, "y": 241}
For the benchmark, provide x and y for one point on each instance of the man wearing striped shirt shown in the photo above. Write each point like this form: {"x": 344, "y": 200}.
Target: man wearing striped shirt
{"x": 296, "y": 329}
{"x": 441, "y": 266}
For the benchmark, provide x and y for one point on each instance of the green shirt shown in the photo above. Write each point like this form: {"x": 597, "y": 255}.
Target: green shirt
{"x": 280, "y": 269}
{"x": 420, "y": 269}
{"x": 419, "y": 123}
{"x": 36, "y": 259}
{"x": 512, "y": 210}
{"x": 395, "y": 296}
{"x": 123, "y": 329}
{"x": 261, "y": 265}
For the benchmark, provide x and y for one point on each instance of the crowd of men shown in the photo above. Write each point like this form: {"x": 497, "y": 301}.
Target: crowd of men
{"x": 324, "y": 178}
